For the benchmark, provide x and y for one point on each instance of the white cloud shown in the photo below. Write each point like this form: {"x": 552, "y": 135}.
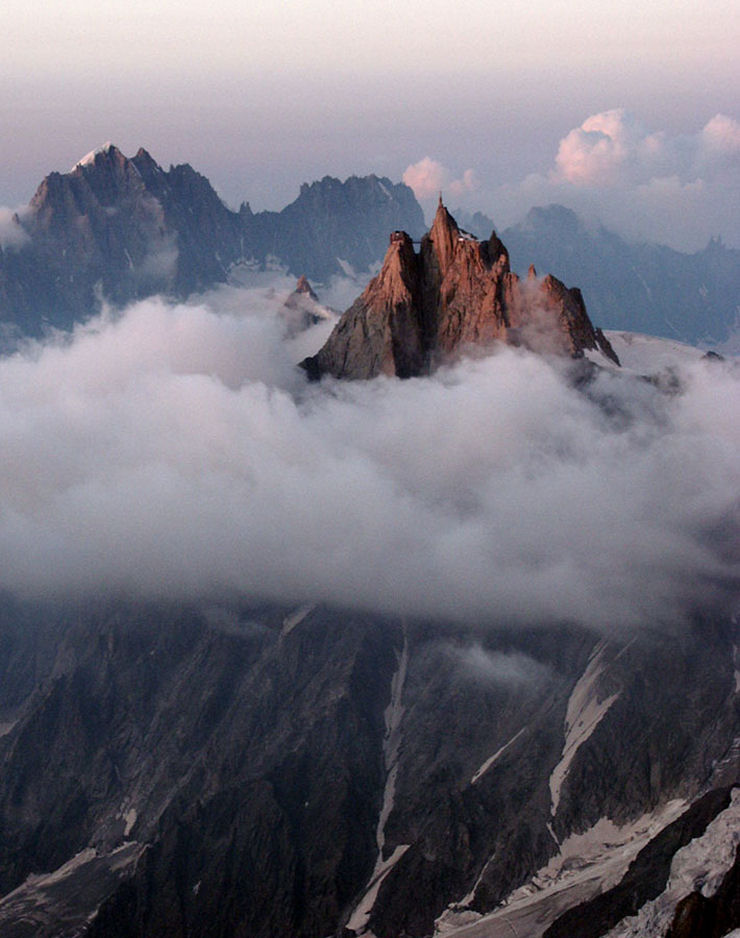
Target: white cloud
{"x": 428, "y": 178}
{"x": 497, "y": 667}
{"x": 176, "y": 451}
{"x": 678, "y": 189}
{"x": 468, "y": 182}
{"x": 12, "y": 234}
{"x": 722, "y": 134}
{"x": 594, "y": 153}
{"x": 613, "y": 148}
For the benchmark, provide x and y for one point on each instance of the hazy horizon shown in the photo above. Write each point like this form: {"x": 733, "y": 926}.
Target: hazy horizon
{"x": 261, "y": 99}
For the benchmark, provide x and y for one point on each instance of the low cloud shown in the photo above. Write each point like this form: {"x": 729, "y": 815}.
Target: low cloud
{"x": 176, "y": 451}
{"x": 12, "y": 234}
{"x": 497, "y": 667}
{"x": 428, "y": 178}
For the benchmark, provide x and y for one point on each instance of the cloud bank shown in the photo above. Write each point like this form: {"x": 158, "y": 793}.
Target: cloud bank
{"x": 177, "y": 452}
{"x": 428, "y": 178}
{"x": 613, "y": 148}
{"x": 679, "y": 189}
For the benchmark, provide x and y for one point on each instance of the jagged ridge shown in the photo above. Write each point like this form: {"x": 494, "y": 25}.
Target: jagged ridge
{"x": 455, "y": 293}
{"x": 124, "y": 228}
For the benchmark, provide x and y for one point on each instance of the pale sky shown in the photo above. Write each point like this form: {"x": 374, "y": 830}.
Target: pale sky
{"x": 261, "y": 96}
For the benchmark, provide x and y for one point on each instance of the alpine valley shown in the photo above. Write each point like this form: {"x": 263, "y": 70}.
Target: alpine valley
{"x": 434, "y": 634}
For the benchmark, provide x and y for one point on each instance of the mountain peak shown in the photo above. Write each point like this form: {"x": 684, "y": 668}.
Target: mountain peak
{"x": 108, "y": 150}
{"x": 438, "y": 244}
{"x": 304, "y": 287}
{"x": 455, "y": 293}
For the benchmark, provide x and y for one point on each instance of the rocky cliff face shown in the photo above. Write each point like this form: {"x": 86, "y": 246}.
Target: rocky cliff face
{"x": 646, "y": 288}
{"x": 456, "y": 293}
{"x": 264, "y": 771}
{"x": 338, "y": 227}
{"x": 118, "y": 228}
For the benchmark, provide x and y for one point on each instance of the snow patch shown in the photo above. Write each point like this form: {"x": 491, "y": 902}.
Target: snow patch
{"x": 361, "y": 914}
{"x": 129, "y": 820}
{"x": 585, "y": 712}
{"x": 587, "y": 864}
{"x": 391, "y": 752}
{"x": 490, "y": 761}
{"x": 89, "y": 158}
{"x": 699, "y": 866}
{"x": 347, "y": 269}
{"x": 646, "y": 354}
{"x": 296, "y": 617}
{"x": 63, "y": 901}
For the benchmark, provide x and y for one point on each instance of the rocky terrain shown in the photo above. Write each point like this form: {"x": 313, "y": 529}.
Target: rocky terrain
{"x": 251, "y": 770}
{"x": 456, "y": 294}
{"x": 118, "y": 228}
{"x": 646, "y": 288}
{"x": 228, "y": 765}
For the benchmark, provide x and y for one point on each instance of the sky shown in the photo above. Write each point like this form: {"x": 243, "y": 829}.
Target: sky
{"x": 510, "y": 104}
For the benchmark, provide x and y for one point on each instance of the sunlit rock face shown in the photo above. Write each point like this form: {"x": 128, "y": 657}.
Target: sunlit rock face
{"x": 456, "y": 293}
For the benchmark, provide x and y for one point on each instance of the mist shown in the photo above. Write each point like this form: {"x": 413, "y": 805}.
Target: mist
{"x": 177, "y": 452}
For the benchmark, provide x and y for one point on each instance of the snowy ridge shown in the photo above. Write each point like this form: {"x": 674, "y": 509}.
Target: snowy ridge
{"x": 646, "y": 353}
{"x": 89, "y": 158}
{"x": 391, "y": 751}
{"x": 700, "y": 865}
{"x": 585, "y": 712}
{"x": 586, "y": 865}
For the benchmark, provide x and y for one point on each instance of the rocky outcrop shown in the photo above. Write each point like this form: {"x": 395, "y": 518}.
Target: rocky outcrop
{"x": 456, "y": 293}
{"x": 646, "y": 288}
{"x": 381, "y": 333}
{"x": 302, "y": 308}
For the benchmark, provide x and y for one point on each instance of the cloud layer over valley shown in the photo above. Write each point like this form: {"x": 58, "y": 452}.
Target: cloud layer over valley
{"x": 176, "y": 451}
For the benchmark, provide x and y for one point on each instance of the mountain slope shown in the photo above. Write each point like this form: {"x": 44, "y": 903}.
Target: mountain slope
{"x": 119, "y": 229}
{"x": 243, "y": 753}
{"x": 646, "y": 288}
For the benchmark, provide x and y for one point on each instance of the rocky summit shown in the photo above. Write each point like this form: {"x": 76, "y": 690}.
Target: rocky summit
{"x": 116, "y": 229}
{"x": 456, "y": 292}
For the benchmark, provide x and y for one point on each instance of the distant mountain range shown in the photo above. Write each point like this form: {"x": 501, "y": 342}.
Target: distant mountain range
{"x": 122, "y": 229}
{"x": 119, "y": 228}
{"x": 646, "y": 288}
